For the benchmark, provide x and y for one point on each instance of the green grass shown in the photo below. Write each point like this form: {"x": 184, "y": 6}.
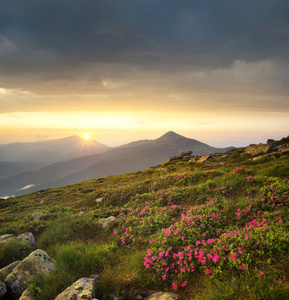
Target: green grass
{"x": 168, "y": 218}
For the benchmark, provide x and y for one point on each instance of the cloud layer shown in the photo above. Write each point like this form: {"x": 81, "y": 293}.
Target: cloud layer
{"x": 141, "y": 55}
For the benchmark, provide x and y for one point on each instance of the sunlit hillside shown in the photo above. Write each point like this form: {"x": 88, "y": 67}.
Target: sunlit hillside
{"x": 216, "y": 229}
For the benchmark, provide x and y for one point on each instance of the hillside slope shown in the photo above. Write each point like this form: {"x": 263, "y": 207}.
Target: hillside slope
{"x": 212, "y": 230}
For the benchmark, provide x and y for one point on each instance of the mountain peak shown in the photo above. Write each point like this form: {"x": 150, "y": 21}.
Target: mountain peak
{"x": 171, "y": 136}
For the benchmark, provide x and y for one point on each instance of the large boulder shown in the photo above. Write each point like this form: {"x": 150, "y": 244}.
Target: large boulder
{"x": 35, "y": 263}
{"x": 3, "y": 289}
{"x": 4, "y": 272}
{"x": 163, "y": 296}
{"x": 27, "y": 238}
{"x": 84, "y": 288}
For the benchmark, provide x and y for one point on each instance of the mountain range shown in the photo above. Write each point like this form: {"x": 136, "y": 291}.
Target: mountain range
{"x": 67, "y": 161}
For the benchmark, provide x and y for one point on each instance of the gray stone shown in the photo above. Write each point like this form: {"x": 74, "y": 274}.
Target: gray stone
{"x": 104, "y": 222}
{"x": 84, "y": 288}
{"x": 37, "y": 215}
{"x": 4, "y": 272}
{"x": 6, "y": 237}
{"x": 163, "y": 296}
{"x": 26, "y": 295}
{"x": 35, "y": 263}
{"x": 80, "y": 213}
{"x": 3, "y": 289}
{"x": 27, "y": 238}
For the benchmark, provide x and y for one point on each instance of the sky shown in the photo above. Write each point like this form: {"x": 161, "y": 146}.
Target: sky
{"x": 213, "y": 70}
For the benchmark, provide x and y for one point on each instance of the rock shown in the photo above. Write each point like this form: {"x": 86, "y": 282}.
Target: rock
{"x": 194, "y": 158}
{"x": 283, "y": 149}
{"x": 260, "y": 148}
{"x": 27, "y": 238}
{"x": 6, "y": 237}
{"x": 84, "y": 288}
{"x": 80, "y": 213}
{"x": 104, "y": 222}
{"x": 163, "y": 296}
{"x": 183, "y": 155}
{"x": 3, "y": 289}
{"x": 207, "y": 157}
{"x": 35, "y": 263}
{"x": 4, "y": 272}
{"x": 98, "y": 200}
{"x": 37, "y": 215}
{"x": 26, "y": 295}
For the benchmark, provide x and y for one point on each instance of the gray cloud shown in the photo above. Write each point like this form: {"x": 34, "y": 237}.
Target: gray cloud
{"x": 57, "y": 36}
{"x": 164, "y": 49}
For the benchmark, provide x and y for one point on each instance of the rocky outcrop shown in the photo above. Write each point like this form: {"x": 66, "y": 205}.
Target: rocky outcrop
{"x": 84, "y": 288}
{"x": 283, "y": 149}
{"x": 184, "y": 155}
{"x": 105, "y": 221}
{"x": 27, "y": 238}
{"x": 35, "y": 263}
{"x": 260, "y": 148}
{"x": 163, "y": 296}
{"x": 4, "y": 272}
{"x": 207, "y": 157}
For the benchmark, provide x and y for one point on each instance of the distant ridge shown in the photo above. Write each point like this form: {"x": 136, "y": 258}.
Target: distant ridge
{"x": 51, "y": 151}
{"x": 135, "y": 156}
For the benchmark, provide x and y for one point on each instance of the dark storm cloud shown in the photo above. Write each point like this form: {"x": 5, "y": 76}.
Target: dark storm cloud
{"x": 53, "y": 37}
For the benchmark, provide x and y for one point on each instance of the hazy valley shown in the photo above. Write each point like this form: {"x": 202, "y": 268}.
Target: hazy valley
{"x": 71, "y": 160}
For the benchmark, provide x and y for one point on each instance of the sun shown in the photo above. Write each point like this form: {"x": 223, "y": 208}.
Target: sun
{"x": 86, "y": 136}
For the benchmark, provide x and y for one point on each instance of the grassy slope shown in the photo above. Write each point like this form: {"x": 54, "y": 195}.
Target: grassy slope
{"x": 205, "y": 232}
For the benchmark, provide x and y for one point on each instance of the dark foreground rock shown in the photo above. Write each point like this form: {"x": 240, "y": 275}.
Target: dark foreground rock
{"x": 22, "y": 275}
{"x": 84, "y": 288}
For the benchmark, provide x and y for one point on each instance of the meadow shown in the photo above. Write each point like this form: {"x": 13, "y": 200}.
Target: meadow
{"x": 200, "y": 230}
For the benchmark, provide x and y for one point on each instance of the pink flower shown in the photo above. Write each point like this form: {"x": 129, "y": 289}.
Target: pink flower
{"x": 208, "y": 271}
{"x": 164, "y": 277}
{"x": 261, "y": 273}
{"x": 175, "y": 286}
{"x": 277, "y": 212}
{"x": 184, "y": 283}
{"x": 234, "y": 255}
{"x": 242, "y": 267}
{"x": 215, "y": 258}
